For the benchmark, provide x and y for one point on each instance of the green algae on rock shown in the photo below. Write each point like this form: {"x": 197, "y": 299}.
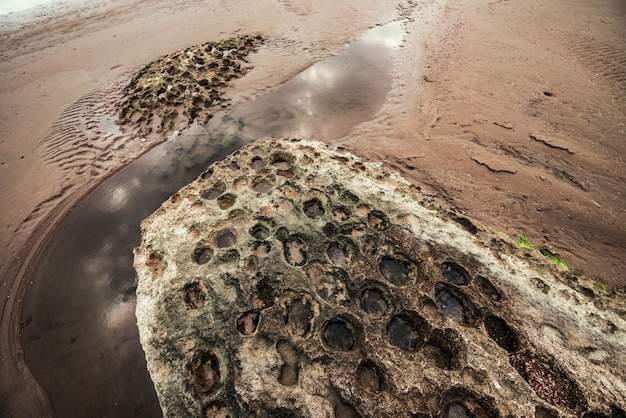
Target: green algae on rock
{"x": 190, "y": 81}
{"x": 294, "y": 280}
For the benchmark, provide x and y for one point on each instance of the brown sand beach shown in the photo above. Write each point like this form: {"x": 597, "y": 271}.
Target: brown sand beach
{"x": 510, "y": 112}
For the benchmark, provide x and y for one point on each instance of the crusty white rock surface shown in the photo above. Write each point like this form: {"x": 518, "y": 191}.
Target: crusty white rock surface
{"x": 294, "y": 280}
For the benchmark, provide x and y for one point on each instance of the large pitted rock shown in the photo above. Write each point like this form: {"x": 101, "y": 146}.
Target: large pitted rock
{"x": 290, "y": 280}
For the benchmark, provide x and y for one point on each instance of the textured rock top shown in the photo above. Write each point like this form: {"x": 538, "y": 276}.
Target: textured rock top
{"x": 185, "y": 85}
{"x": 291, "y": 280}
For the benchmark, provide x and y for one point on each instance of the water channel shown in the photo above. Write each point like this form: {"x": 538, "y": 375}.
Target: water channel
{"x": 79, "y": 335}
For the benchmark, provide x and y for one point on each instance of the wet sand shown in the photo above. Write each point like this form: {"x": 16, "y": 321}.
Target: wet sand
{"x": 505, "y": 112}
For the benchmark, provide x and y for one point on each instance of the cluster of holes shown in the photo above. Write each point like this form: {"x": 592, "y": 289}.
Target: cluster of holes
{"x": 406, "y": 330}
{"x": 192, "y": 79}
{"x": 551, "y": 387}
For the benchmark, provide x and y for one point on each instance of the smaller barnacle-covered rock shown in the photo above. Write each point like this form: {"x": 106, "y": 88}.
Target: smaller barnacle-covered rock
{"x": 293, "y": 280}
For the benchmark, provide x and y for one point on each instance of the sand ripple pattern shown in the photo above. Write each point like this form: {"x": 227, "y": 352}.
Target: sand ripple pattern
{"x": 604, "y": 59}
{"x": 85, "y": 137}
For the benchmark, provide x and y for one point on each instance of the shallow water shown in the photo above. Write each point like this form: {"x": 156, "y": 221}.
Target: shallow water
{"x": 79, "y": 335}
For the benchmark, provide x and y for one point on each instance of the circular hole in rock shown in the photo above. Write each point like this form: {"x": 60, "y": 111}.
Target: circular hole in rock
{"x": 213, "y": 192}
{"x": 377, "y": 220}
{"x": 370, "y": 245}
{"x": 299, "y": 317}
{"x": 396, "y": 272}
{"x": 248, "y": 322}
{"x": 238, "y": 217}
{"x": 251, "y": 264}
{"x": 282, "y": 234}
{"x": 203, "y": 255}
{"x": 330, "y": 230}
{"x": 206, "y": 174}
{"x": 407, "y": 330}
{"x": 203, "y": 372}
{"x": 455, "y": 273}
{"x": 225, "y": 238}
{"x": 454, "y": 304}
{"x": 194, "y": 294}
{"x": 501, "y": 333}
{"x": 373, "y": 302}
{"x": 260, "y": 232}
{"x": 176, "y": 198}
{"x": 458, "y": 410}
{"x": 257, "y": 163}
{"x": 487, "y": 288}
{"x": 337, "y": 334}
{"x": 226, "y": 201}
{"x": 258, "y": 151}
{"x": 294, "y": 249}
{"x": 313, "y": 208}
{"x": 370, "y": 376}
{"x": 233, "y": 166}
{"x": 288, "y": 375}
{"x": 429, "y": 309}
{"x": 262, "y": 185}
{"x": 341, "y": 253}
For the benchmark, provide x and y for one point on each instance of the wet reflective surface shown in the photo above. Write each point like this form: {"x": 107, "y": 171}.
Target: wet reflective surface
{"x": 331, "y": 97}
{"x": 79, "y": 335}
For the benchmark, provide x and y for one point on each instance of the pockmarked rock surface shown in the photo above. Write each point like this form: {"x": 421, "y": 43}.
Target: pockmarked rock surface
{"x": 292, "y": 280}
{"x": 185, "y": 85}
